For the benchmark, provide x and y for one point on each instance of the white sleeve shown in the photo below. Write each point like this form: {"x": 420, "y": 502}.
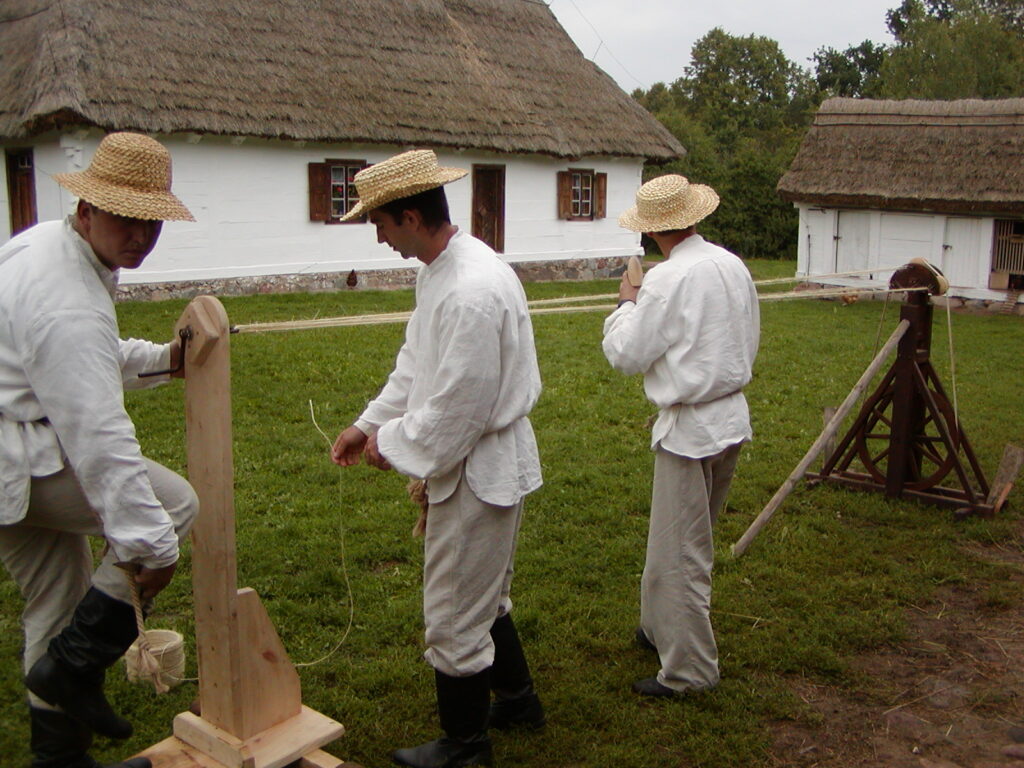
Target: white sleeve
{"x": 73, "y": 362}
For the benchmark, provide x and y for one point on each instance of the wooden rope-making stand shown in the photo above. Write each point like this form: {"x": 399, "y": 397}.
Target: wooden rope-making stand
{"x": 250, "y": 700}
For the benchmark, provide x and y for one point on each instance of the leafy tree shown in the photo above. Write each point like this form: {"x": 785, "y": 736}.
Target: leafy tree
{"x": 853, "y": 72}
{"x": 964, "y": 51}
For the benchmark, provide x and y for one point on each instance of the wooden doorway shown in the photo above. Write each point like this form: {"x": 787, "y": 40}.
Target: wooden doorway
{"x": 21, "y": 189}
{"x": 489, "y": 205}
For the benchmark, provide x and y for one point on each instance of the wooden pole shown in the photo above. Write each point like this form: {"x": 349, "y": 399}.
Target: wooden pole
{"x": 829, "y": 432}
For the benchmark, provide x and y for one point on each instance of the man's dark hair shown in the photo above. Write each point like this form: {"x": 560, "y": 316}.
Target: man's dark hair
{"x": 432, "y": 205}
{"x": 668, "y": 232}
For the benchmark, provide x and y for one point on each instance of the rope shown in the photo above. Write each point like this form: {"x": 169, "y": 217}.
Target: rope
{"x": 952, "y": 363}
{"x": 143, "y": 662}
{"x": 344, "y": 563}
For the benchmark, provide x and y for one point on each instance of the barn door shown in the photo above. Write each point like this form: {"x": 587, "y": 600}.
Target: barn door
{"x": 489, "y": 205}
{"x": 960, "y": 257}
{"x": 21, "y": 189}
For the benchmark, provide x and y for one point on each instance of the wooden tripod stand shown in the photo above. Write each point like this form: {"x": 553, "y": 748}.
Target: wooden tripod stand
{"x": 252, "y": 714}
{"x": 907, "y": 436}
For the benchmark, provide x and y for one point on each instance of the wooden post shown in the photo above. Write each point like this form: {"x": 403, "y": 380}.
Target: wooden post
{"x": 830, "y": 430}
{"x": 250, "y": 698}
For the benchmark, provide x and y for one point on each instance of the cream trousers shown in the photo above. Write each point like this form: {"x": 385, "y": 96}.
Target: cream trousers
{"x": 469, "y": 549}
{"x": 49, "y": 557}
{"x": 675, "y": 591}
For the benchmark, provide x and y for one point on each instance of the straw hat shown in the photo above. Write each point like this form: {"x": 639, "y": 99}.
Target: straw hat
{"x": 130, "y": 175}
{"x": 669, "y": 202}
{"x": 400, "y": 176}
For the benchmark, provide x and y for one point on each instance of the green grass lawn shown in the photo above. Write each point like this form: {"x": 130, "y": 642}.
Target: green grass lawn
{"x": 828, "y": 578}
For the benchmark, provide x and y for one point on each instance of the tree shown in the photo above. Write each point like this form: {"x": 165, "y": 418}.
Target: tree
{"x": 853, "y": 72}
{"x": 964, "y": 51}
{"x": 741, "y": 84}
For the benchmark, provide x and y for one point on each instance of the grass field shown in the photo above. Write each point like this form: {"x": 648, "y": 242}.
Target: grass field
{"x": 827, "y": 579}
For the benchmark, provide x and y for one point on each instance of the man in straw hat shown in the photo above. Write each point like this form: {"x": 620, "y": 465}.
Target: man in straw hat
{"x": 454, "y": 412}
{"x": 692, "y": 330}
{"x": 70, "y": 464}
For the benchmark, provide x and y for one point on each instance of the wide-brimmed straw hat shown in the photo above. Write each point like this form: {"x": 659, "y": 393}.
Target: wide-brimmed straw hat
{"x": 130, "y": 175}
{"x": 400, "y": 176}
{"x": 669, "y": 202}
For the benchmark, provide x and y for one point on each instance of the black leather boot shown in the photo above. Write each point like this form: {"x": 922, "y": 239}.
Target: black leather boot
{"x": 58, "y": 741}
{"x": 71, "y": 673}
{"x": 516, "y": 704}
{"x": 462, "y": 704}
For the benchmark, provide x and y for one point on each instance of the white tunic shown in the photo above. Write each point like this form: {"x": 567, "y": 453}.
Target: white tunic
{"x": 63, "y": 370}
{"x": 693, "y": 332}
{"x": 464, "y": 381}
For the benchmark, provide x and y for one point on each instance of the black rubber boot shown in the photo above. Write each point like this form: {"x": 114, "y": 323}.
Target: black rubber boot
{"x": 71, "y": 673}
{"x": 516, "y": 704}
{"x": 462, "y": 704}
{"x": 59, "y": 741}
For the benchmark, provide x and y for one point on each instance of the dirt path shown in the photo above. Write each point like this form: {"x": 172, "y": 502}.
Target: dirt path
{"x": 951, "y": 696}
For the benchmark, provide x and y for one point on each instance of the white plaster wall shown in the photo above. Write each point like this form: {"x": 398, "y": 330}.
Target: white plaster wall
{"x": 250, "y": 201}
{"x": 892, "y": 239}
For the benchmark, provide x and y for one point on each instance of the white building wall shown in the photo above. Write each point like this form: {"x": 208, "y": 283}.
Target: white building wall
{"x": 961, "y": 246}
{"x": 251, "y": 204}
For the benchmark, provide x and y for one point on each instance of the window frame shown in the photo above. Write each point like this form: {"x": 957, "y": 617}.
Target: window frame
{"x": 322, "y": 187}
{"x": 568, "y": 200}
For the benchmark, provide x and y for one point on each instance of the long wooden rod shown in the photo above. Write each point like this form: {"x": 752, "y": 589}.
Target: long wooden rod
{"x": 537, "y": 307}
{"x": 823, "y": 439}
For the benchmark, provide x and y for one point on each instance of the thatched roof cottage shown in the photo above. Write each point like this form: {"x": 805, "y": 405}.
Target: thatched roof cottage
{"x": 269, "y": 108}
{"x": 880, "y": 182}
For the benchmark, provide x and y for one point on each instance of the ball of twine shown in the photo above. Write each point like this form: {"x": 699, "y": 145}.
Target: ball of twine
{"x": 157, "y": 655}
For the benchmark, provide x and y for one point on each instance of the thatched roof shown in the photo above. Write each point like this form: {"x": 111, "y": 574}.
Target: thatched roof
{"x": 944, "y": 156}
{"x": 480, "y": 74}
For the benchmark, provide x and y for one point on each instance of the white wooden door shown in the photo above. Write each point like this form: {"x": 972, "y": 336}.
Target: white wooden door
{"x": 853, "y": 245}
{"x": 962, "y": 264}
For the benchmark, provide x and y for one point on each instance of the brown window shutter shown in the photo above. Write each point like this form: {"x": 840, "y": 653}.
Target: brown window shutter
{"x": 600, "y": 195}
{"x": 319, "y": 192}
{"x": 564, "y": 195}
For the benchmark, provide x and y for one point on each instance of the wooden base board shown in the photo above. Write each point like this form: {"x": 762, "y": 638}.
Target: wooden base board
{"x": 276, "y": 747}
{"x": 174, "y": 753}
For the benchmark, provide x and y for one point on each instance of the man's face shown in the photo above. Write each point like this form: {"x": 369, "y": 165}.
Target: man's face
{"x": 118, "y": 241}
{"x": 400, "y": 235}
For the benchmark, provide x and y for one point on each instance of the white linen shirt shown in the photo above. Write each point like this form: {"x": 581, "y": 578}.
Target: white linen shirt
{"x": 464, "y": 381}
{"x": 693, "y": 333}
{"x": 63, "y": 371}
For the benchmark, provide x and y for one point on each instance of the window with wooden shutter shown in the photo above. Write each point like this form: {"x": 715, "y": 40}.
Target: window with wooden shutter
{"x": 332, "y": 190}
{"x": 582, "y": 194}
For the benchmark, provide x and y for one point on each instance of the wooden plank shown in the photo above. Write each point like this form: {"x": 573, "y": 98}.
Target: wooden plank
{"x": 211, "y": 473}
{"x": 271, "y": 692}
{"x": 174, "y": 753}
{"x": 1006, "y": 475}
{"x": 275, "y": 747}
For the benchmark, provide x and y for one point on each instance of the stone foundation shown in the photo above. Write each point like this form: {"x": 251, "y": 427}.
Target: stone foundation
{"x": 368, "y": 280}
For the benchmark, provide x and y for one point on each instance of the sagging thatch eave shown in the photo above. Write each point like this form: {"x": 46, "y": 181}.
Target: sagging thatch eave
{"x": 908, "y": 205}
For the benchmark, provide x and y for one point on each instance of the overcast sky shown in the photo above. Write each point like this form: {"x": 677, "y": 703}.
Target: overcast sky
{"x": 641, "y": 42}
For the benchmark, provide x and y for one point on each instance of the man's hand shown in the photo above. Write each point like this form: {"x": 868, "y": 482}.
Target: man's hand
{"x": 151, "y": 580}
{"x": 348, "y": 447}
{"x": 373, "y": 455}
{"x": 627, "y": 291}
{"x": 176, "y": 352}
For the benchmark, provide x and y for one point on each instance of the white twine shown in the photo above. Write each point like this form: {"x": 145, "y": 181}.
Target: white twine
{"x": 344, "y": 564}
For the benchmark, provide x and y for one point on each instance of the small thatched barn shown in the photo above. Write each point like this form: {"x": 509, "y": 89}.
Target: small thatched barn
{"x": 269, "y": 107}
{"x": 880, "y": 182}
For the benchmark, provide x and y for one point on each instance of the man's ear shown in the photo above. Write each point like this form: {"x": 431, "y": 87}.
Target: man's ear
{"x": 412, "y": 217}
{"x": 83, "y": 213}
